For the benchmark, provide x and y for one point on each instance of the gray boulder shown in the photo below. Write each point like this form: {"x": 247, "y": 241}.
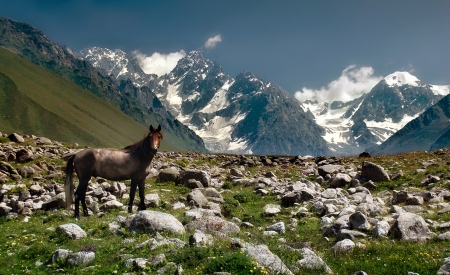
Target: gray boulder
{"x": 340, "y": 180}
{"x": 213, "y": 224}
{"x": 16, "y": 138}
{"x": 411, "y": 227}
{"x": 380, "y": 230}
{"x": 168, "y": 174}
{"x": 197, "y": 198}
{"x": 445, "y": 269}
{"x": 359, "y": 221}
{"x": 148, "y": 221}
{"x": 58, "y": 201}
{"x": 82, "y": 258}
{"x": 72, "y": 231}
{"x": 374, "y": 172}
{"x": 343, "y": 246}
{"x": 202, "y": 176}
{"x": 262, "y": 254}
{"x": 199, "y": 239}
{"x": 329, "y": 169}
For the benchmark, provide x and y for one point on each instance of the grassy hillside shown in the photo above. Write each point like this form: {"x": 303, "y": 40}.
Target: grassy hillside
{"x": 36, "y": 101}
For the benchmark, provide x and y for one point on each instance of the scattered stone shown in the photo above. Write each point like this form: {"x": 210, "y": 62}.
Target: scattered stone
{"x": 343, "y": 246}
{"x": 411, "y": 227}
{"x": 148, "y": 221}
{"x": 372, "y": 171}
{"x": 72, "y": 231}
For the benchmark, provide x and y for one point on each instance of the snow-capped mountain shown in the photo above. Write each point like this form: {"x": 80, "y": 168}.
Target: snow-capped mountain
{"x": 241, "y": 115}
{"x": 121, "y": 65}
{"x": 429, "y": 131}
{"x": 354, "y": 126}
{"x": 238, "y": 115}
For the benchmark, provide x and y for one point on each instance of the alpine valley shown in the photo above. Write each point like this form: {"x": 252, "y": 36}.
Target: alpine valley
{"x": 201, "y": 108}
{"x": 249, "y": 115}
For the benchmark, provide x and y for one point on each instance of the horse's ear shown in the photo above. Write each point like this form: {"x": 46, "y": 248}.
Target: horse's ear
{"x": 151, "y": 128}
{"x": 159, "y": 128}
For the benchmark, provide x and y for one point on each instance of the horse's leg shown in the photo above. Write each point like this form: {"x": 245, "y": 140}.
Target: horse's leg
{"x": 142, "y": 194}
{"x": 132, "y": 193}
{"x": 80, "y": 194}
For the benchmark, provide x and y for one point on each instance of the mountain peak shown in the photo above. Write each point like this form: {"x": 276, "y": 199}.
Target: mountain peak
{"x": 195, "y": 55}
{"x": 401, "y": 78}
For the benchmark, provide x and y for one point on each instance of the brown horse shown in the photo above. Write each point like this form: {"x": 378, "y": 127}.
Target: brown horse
{"x": 132, "y": 162}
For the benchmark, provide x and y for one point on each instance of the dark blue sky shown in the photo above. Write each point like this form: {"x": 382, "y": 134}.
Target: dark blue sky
{"x": 295, "y": 44}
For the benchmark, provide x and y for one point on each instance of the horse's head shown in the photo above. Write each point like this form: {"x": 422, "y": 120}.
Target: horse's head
{"x": 155, "y": 137}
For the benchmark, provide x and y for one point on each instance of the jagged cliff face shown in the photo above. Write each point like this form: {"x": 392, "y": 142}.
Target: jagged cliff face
{"x": 29, "y": 42}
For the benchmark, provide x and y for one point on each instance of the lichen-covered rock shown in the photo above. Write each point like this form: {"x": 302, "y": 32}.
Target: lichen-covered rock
{"x": 82, "y": 258}
{"x": 262, "y": 254}
{"x": 213, "y": 224}
{"x": 375, "y": 172}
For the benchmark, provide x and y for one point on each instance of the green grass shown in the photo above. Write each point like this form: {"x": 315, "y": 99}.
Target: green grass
{"x": 25, "y": 245}
{"x": 36, "y": 101}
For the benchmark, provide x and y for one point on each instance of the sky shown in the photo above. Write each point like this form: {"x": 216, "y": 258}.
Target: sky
{"x": 316, "y": 49}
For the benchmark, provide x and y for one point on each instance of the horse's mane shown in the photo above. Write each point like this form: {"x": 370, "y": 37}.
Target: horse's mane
{"x": 140, "y": 148}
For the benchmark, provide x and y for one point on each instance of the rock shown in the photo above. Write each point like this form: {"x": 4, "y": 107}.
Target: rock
{"x": 16, "y": 138}
{"x": 262, "y": 255}
{"x": 444, "y": 236}
{"x": 58, "y": 201}
{"x": 343, "y": 246}
{"x": 340, "y": 180}
{"x": 272, "y": 209}
{"x": 168, "y": 174}
{"x": 197, "y": 198}
{"x": 201, "y": 176}
{"x": 277, "y": 227}
{"x": 59, "y": 255}
{"x": 411, "y": 227}
{"x": 311, "y": 261}
{"x": 329, "y": 193}
{"x": 329, "y": 169}
{"x": 349, "y": 234}
{"x": 82, "y": 258}
{"x": 152, "y": 200}
{"x": 199, "y": 239}
{"x": 27, "y": 172}
{"x": 213, "y": 224}
{"x": 24, "y": 155}
{"x": 193, "y": 184}
{"x": 380, "y": 230}
{"x": 445, "y": 269}
{"x": 148, "y": 221}
{"x": 4, "y": 210}
{"x": 359, "y": 221}
{"x": 414, "y": 200}
{"x": 372, "y": 171}
{"x": 399, "y": 196}
{"x": 72, "y": 231}
{"x": 111, "y": 205}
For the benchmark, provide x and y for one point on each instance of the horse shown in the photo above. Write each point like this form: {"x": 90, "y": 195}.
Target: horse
{"x": 132, "y": 162}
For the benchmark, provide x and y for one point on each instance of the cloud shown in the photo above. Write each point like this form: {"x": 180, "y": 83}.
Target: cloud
{"x": 158, "y": 63}
{"x": 212, "y": 41}
{"x": 353, "y": 82}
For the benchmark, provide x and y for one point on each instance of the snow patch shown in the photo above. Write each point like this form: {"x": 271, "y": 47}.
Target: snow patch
{"x": 440, "y": 90}
{"x": 401, "y": 78}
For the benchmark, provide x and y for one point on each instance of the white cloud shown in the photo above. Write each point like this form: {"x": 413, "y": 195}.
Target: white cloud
{"x": 212, "y": 41}
{"x": 159, "y": 63}
{"x": 353, "y": 82}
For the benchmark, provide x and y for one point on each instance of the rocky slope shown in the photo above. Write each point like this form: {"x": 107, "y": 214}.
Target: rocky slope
{"x": 339, "y": 194}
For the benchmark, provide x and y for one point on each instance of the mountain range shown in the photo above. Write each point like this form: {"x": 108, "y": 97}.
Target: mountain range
{"x": 217, "y": 107}
{"x": 201, "y": 107}
{"x": 31, "y": 44}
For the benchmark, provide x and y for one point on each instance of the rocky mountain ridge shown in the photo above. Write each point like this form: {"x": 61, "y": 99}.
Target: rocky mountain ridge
{"x": 339, "y": 195}
{"x": 349, "y": 128}
{"x": 30, "y": 43}
{"x": 241, "y": 115}
{"x": 371, "y": 119}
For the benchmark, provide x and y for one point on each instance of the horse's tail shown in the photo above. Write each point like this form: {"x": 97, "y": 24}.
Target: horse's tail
{"x": 68, "y": 184}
